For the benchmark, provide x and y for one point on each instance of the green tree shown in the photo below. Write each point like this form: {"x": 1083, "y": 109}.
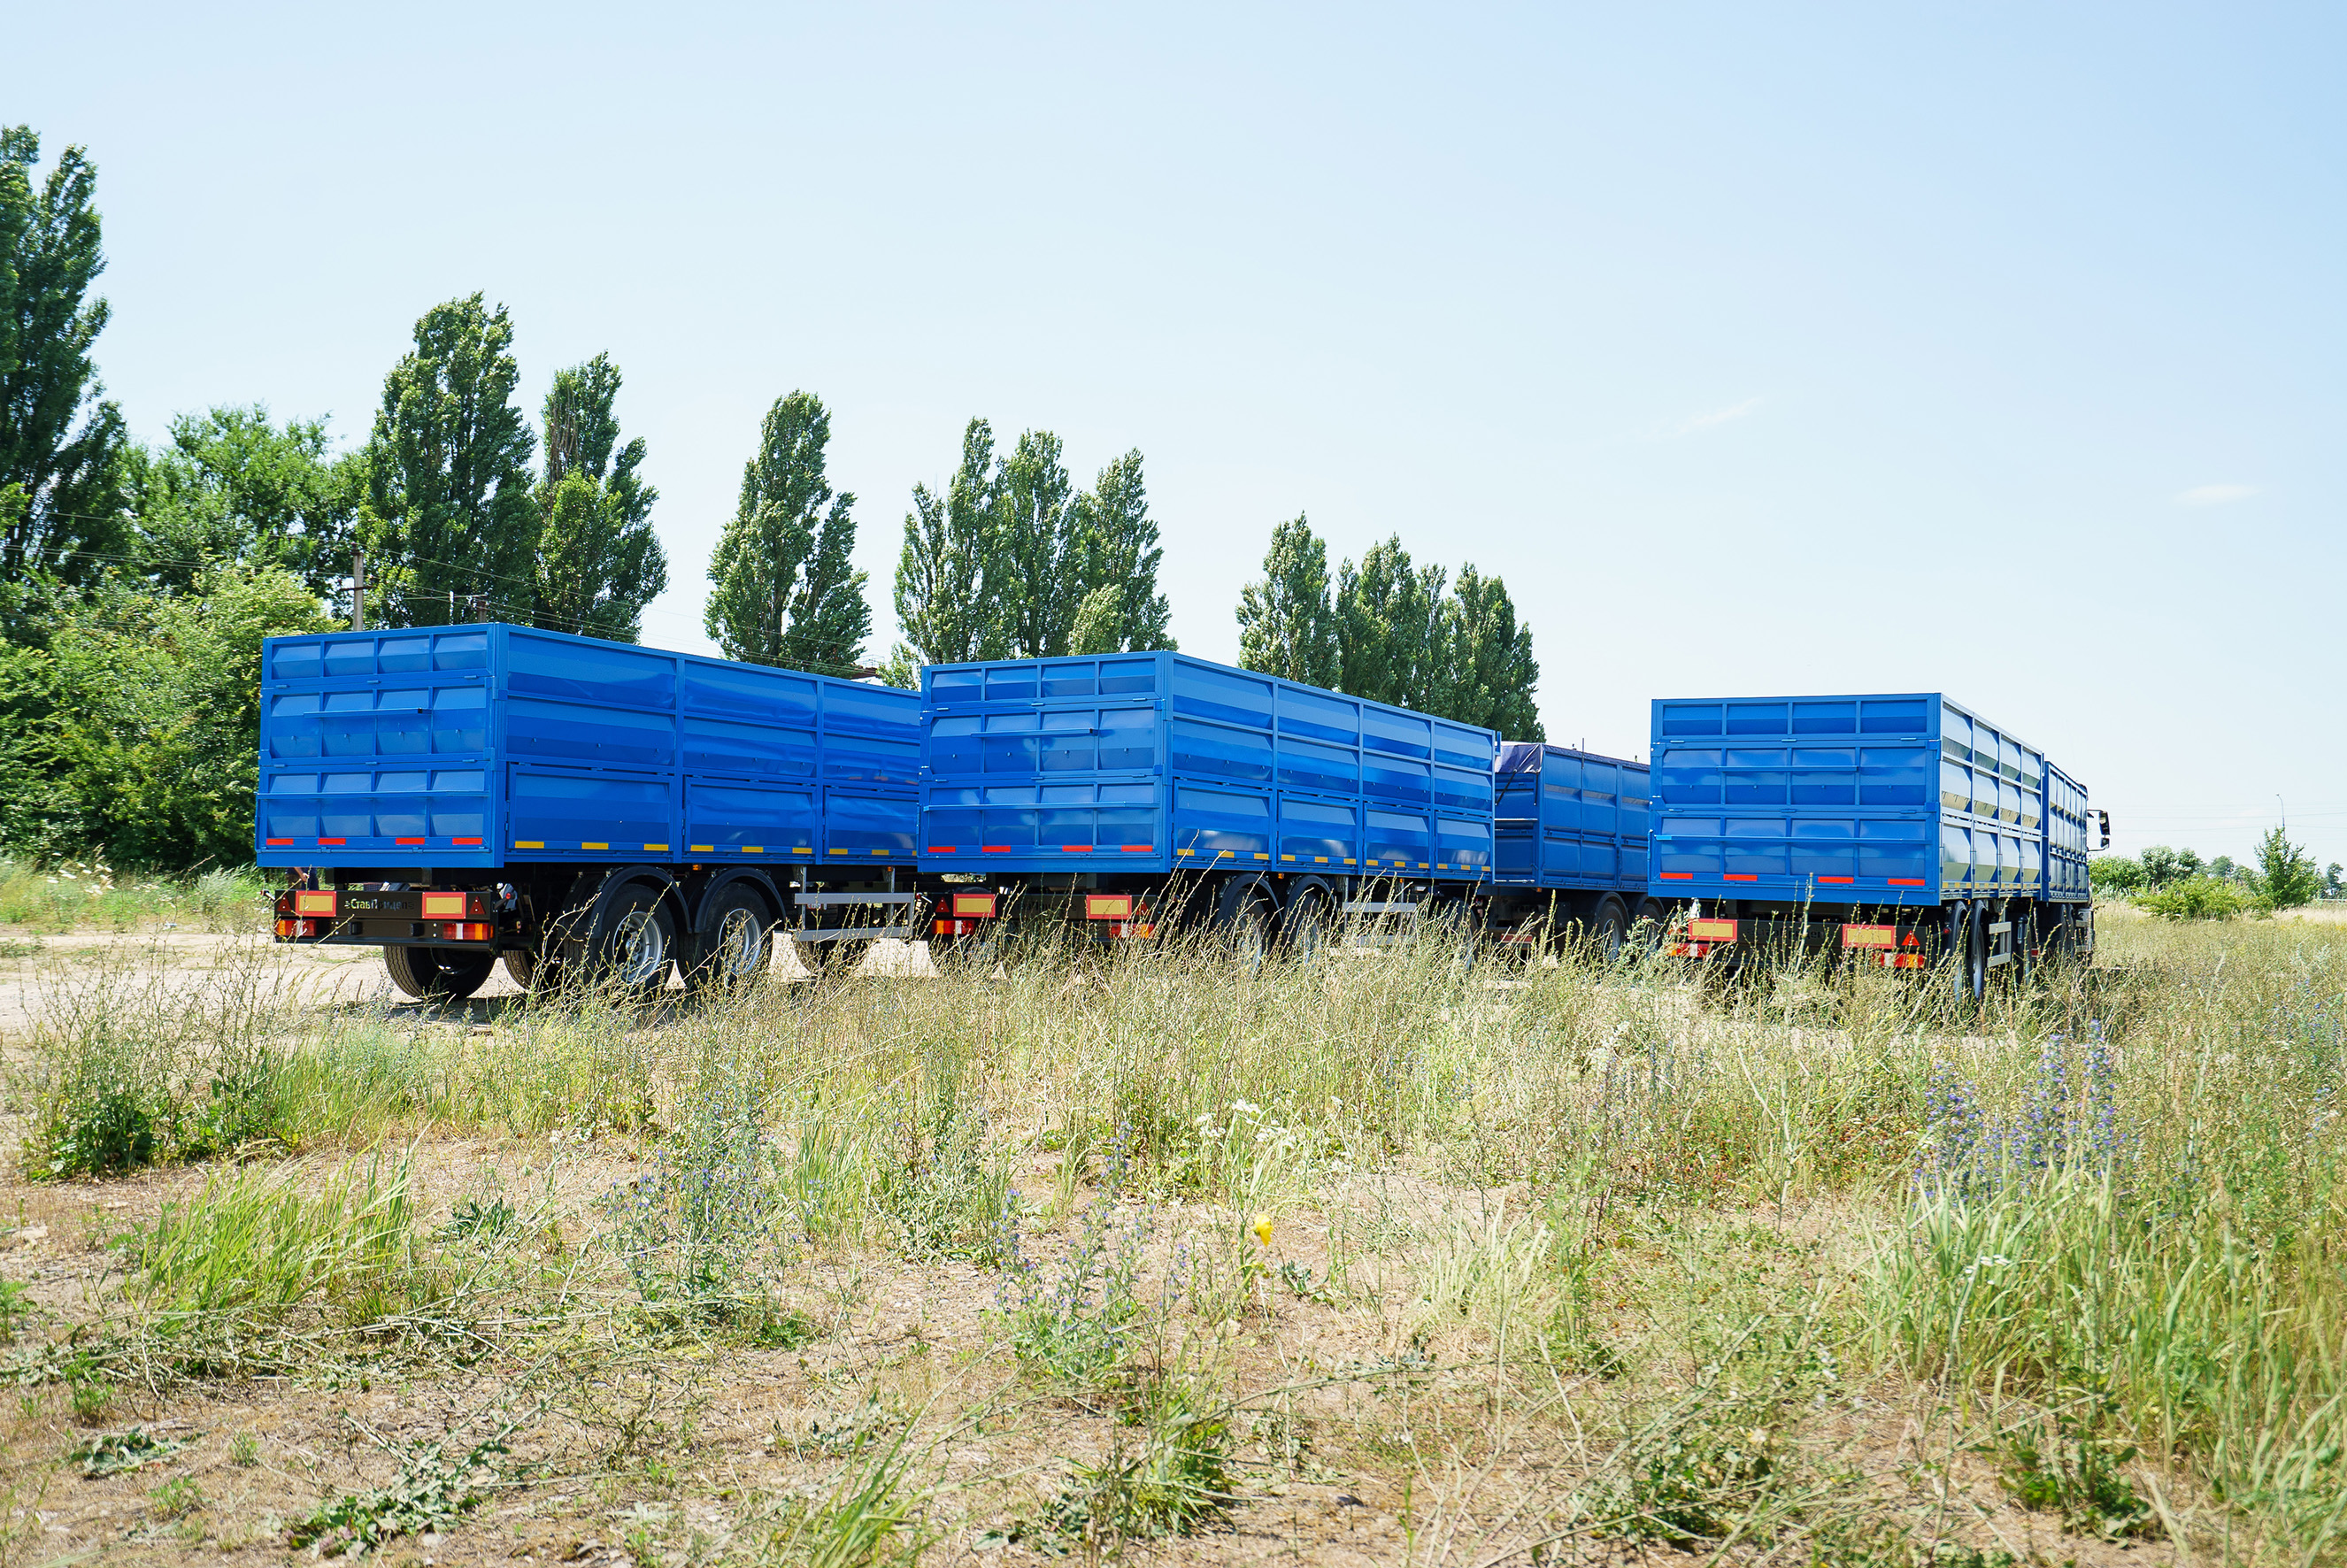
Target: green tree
{"x": 1389, "y": 624}
{"x": 784, "y": 590}
{"x": 451, "y": 518}
{"x": 599, "y": 560}
{"x": 1038, "y": 570}
{"x": 1488, "y": 670}
{"x": 2117, "y": 874}
{"x": 1287, "y": 627}
{"x": 940, "y": 604}
{"x": 231, "y": 488}
{"x": 61, "y": 441}
{"x": 1121, "y": 610}
{"x": 2286, "y": 876}
{"x": 141, "y": 719}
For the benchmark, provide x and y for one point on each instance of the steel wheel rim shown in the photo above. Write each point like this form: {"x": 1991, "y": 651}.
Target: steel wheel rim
{"x": 740, "y": 943}
{"x": 641, "y": 948}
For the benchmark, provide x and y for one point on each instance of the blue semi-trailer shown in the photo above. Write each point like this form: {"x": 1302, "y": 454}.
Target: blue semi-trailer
{"x": 1125, "y": 792}
{"x": 458, "y": 795}
{"x": 1898, "y": 825}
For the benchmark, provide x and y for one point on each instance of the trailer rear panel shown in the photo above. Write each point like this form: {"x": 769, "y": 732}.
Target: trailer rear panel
{"x": 1152, "y": 763}
{"x": 1885, "y": 799}
{"x": 1570, "y": 820}
{"x": 489, "y": 745}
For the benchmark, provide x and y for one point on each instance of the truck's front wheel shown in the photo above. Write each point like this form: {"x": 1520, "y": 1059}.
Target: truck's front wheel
{"x": 438, "y": 974}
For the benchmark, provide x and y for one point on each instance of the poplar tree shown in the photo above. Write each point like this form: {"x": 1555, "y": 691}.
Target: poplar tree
{"x": 1123, "y": 610}
{"x": 599, "y": 560}
{"x": 452, "y": 527}
{"x": 1036, "y": 579}
{"x": 1389, "y": 627}
{"x": 941, "y": 567}
{"x": 784, "y": 586}
{"x": 1288, "y": 626}
{"x": 1486, "y": 668}
{"x": 61, "y": 442}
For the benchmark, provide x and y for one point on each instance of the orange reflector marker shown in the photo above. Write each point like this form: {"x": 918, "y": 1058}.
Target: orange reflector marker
{"x": 314, "y": 902}
{"x": 1136, "y": 849}
{"x": 471, "y": 841}
{"x": 1844, "y": 879}
{"x": 444, "y": 906}
{"x": 1668, "y": 876}
{"x": 287, "y": 842}
{"x": 1711, "y": 930}
{"x": 1905, "y": 881}
{"x": 330, "y": 843}
{"x": 981, "y": 904}
{"x": 938, "y": 849}
{"x": 1739, "y": 877}
{"x": 1869, "y": 935}
{"x": 1075, "y": 849}
{"x": 1108, "y": 907}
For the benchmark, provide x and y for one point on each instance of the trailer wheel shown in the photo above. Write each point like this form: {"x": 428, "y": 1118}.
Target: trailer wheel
{"x": 438, "y": 974}
{"x": 732, "y": 942}
{"x": 1606, "y": 929}
{"x": 1242, "y": 916}
{"x": 1306, "y": 931}
{"x": 635, "y": 941}
{"x": 528, "y": 970}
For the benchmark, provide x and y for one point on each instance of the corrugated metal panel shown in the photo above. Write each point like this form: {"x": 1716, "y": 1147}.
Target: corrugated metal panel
{"x": 1897, "y": 798}
{"x": 481, "y": 746}
{"x": 1569, "y": 819}
{"x": 1151, "y": 762}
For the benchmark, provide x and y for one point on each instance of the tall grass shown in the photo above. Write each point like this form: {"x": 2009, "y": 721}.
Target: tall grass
{"x": 2114, "y": 1194}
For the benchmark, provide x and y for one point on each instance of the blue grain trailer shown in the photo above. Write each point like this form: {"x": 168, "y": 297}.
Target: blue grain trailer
{"x": 454, "y": 794}
{"x": 1900, "y": 827}
{"x": 1570, "y": 837}
{"x": 1127, "y": 793}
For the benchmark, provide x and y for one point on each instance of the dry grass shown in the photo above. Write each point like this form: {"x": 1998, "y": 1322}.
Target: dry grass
{"x": 1364, "y": 1260}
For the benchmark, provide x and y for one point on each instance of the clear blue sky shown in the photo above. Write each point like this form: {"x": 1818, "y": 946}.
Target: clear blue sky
{"x": 1990, "y": 348}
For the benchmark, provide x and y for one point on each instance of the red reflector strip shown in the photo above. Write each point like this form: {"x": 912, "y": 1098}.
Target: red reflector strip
{"x": 407, "y": 841}
{"x": 1136, "y": 849}
{"x": 1906, "y": 881}
{"x": 938, "y": 849}
{"x": 994, "y": 849}
{"x": 1075, "y": 849}
{"x": 1668, "y": 876}
{"x": 1739, "y": 877}
{"x": 326, "y": 843}
{"x": 275, "y": 841}
{"x": 475, "y": 841}
{"x": 1843, "y": 879}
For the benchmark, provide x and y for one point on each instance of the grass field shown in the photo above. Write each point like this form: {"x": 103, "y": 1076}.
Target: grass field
{"x": 1361, "y": 1261}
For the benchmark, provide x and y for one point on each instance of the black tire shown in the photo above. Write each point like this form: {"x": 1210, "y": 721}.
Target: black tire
{"x": 1968, "y": 950}
{"x": 1609, "y": 927}
{"x": 1648, "y": 926}
{"x": 1307, "y": 930}
{"x": 1242, "y": 918}
{"x": 730, "y": 950}
{"x": 634, "y": 942}
{"x": 528, "y": 971}
{"x": 438, "y": 974}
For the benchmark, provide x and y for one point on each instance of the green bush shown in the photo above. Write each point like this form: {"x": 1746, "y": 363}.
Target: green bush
{"x": 2196, "y": 898}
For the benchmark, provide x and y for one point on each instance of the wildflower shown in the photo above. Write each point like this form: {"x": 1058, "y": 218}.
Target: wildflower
{"x": 1262, "y": 1228}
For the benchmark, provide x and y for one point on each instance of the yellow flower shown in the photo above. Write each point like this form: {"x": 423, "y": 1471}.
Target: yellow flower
{"x": 1262, "y": 1228}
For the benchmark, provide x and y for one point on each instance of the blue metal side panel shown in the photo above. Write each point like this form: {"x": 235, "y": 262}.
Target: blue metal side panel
{"x": 2067, "y": 843}
{"x": 539, "y": 746}
{"x": 1572, "y": 820}
{"x": 1152, "y": 761}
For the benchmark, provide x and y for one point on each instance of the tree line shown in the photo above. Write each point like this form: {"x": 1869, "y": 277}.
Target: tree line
{"x": 137, "y": 581}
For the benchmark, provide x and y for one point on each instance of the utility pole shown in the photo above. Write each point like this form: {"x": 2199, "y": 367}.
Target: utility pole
{"x": 358, "y": 589}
